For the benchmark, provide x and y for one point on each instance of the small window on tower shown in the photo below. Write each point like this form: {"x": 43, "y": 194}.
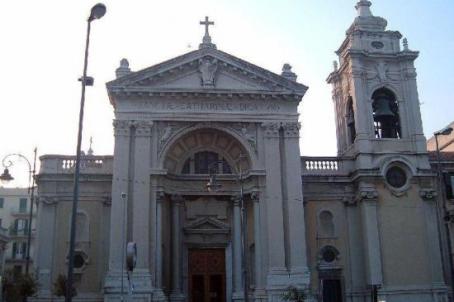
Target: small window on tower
{"x": 386, "y": 114}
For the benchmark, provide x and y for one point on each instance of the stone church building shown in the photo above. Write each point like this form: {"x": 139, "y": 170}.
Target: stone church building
{"x": 357, "y": 227}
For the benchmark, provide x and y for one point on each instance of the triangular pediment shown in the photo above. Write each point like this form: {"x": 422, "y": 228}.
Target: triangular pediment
{"x": 207, "y": 225}
{"x": 205, "y": 70}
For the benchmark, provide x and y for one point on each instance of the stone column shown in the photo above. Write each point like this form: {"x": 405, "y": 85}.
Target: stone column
{"x": 120, "y": 184}
{"x": 297, "y": 262}
{"x": 176, "y": 294}
{"x": 140, "y": 188}
{"x": 277, "y": 271}
{"x": 368, "y": 198}
{"x": 158, "y": 294}
{"x": 237, "y": 255}
{"x": 259, "y": 293}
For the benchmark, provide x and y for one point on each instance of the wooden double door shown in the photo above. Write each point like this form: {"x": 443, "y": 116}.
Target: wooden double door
{"x": 207, "y": 275}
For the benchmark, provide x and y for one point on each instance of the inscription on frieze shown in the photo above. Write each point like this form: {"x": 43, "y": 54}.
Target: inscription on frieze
{"x": 210, "y": 106}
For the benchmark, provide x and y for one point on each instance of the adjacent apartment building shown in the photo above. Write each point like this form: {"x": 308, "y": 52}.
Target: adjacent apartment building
{"x": 15, "y": 208}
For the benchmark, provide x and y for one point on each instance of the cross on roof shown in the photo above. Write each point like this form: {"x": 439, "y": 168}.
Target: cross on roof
{"x": 206, "y": 42}
{"x": 206, "y": 23}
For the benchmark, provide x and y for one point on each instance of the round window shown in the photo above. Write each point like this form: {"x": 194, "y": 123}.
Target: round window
{"x": 377, "y": 44}
{"x": 79, "y": 261}
{"x": 329, "y": 255}
{"x": 396, "y": 177}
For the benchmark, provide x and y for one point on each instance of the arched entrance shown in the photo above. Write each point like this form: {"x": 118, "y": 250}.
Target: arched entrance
{"x": 201, "y": 230}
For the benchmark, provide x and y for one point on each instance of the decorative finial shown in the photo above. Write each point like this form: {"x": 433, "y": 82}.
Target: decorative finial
{"x": 288, "y": 73}
{"x": 123, "y": 69}
{"x": 206, "y": 42}
{"x": 90, "y": 150}
{"x": 363, "y": 8}
{"x": 335, "y": 65}
{"x": 405, "y": 43}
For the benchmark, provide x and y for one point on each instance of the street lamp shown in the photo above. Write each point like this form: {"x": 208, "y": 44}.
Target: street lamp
{"x": 6, "y": 176}
{"x": 97, "y": 12}
{"x": 444, "y": 132}
{"x": 212, "y": 185}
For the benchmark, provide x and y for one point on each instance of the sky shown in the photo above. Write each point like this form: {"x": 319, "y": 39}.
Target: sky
{"x": 42, "y": 44}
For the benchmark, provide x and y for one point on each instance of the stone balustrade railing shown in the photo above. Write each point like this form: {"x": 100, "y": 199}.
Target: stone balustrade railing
{"x": 64, "y": 164}
{"x": 325, "y": 165}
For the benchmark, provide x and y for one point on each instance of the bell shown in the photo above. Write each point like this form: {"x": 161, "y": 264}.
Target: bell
{"x": 382, "y": 109}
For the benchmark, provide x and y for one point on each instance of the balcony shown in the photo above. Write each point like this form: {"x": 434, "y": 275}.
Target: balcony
{"x": 325, "y": 166}
{"x": 14, "y": 233}
{"x": 23, "y": 214}
{"x": 64, "y": 164}
{"x": 17, "y": 258}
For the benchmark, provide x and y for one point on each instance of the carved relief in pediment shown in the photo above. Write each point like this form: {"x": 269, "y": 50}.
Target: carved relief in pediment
{"x": 207, "y": 225}
{"x": 207, "y": 68}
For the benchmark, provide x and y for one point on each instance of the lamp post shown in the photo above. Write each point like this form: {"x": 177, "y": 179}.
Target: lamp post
{"x": 6, "y": 176}
{"x": 442, "y": 207}
{"x": 97, "y": 12}
{"x": 212, "y": 185}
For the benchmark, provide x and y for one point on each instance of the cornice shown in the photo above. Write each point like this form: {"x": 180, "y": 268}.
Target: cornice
{"x": 360, "y": 53}
{"x": 146, "y": 92}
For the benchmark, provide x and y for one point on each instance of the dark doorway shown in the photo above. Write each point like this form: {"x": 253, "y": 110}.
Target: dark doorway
{"x": 332, "y": 290}
{"x": 207, "y": 275}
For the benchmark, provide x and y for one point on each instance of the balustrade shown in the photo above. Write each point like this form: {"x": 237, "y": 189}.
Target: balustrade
{"x": 323, "y": 165}
{"x": 65, "y": 164}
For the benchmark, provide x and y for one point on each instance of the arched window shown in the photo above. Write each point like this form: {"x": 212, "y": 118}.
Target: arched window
{"x": 204, "y": 161}
{"x": 326, "y": 224}
{"x": 350, "y": 117}
{"x": 386, "y": 114}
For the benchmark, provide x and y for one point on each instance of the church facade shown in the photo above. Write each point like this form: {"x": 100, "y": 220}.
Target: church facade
{"x": 207, "y": 179}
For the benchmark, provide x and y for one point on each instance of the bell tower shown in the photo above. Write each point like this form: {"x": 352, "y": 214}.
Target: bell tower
{"x": 374, "y": 90}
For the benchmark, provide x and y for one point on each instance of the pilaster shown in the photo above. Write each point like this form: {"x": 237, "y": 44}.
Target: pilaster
{"x": 277, "y": 270}
{"x": 141, "y": 203}
{"x": 433, "y": 244}
{"x": 45, "y": 247}
{"x": 368, "y": 199}
{"x": 293, "y": 193}
{"x": 118, "y": 217}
